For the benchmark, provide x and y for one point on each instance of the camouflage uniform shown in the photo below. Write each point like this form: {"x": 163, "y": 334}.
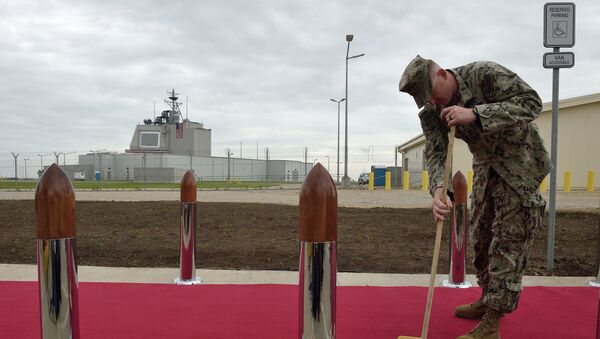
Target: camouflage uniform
{"x": 509, "y": 163}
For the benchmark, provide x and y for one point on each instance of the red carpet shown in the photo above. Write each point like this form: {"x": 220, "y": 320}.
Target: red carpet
{"x": 111, "y": 310}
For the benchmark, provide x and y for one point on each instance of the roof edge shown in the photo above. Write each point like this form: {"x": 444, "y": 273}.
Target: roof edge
{"x": 574, "y": 101}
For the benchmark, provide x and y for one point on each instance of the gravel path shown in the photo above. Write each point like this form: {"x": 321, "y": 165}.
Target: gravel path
{"x": 577, "y": 200}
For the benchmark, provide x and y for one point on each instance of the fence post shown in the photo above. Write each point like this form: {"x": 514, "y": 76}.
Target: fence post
{"x": 57, "y": 262}
{"x": 371, "y": 181}
{"x": 567, "y": 185}
{"x": 544, "y": 184}
{"x": 590, "y": 181}
{"x": 406, "y": 179}
{"x": 469, "y": 181}
{"x": 458, "y": 243}
{"x": 189, "y": 224}
{"x": 318, "y": 237}
{"x": 388, "y": 181}
{"x": 425, "y": 181}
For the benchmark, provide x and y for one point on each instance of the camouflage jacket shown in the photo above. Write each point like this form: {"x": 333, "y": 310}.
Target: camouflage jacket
{"x": 503, "y": 137}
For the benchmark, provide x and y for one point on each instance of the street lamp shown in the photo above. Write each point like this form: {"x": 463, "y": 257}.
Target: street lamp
{"x": 338, "y": 138}
{"x": 349, "y": 38}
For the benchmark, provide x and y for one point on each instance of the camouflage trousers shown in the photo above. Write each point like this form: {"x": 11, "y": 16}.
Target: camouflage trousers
{"x": 503, "y": 229}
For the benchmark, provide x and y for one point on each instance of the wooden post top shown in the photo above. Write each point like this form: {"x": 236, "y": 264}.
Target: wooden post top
{"x": 55, "y": 205}
{"x": 318, "y": 207}
{"x": 188, "y": 187}
{"x": 459, "y": 184}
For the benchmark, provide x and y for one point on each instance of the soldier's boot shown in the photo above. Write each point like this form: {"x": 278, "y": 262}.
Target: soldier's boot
{"x": 474, "y": 310}
{"x": 488, "y": 328}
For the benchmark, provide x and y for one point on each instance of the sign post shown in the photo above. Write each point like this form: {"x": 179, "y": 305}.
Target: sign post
{"x": 559, "y": 31}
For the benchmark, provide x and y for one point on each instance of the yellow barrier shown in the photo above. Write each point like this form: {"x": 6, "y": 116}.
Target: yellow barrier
{"x": 469, "y": 181}
{"x": 371, "y": 181}
{"x": 425, "y": 181}
{"x": 590, "y": 181}
{"x": 544, "y": 185}
{"x": 388, "y": 181}
{"x": 567, "y": 186}
{"x": 406, "y": 180}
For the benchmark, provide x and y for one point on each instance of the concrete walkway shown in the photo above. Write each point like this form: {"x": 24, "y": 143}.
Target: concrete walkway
{"x": 10, "y": 272}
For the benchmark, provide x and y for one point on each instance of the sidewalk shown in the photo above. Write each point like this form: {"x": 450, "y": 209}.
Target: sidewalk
{"x": 10, "y": 272}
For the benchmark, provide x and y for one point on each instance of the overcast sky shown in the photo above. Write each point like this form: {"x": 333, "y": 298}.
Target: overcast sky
{"x": 78, "y": 76}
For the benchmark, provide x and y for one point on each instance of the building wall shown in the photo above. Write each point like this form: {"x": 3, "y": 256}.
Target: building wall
{"x": 578, "y": 142}
{"x": 120, "y": 166}
{"x": 195, "y": 140}
{"x": 202, "y": 138}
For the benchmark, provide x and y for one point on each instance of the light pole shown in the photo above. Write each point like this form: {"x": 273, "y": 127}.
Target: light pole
{"x": 349, "y": 38}
{"x": 338, "y": 138}
{"x": 327, "y": 162}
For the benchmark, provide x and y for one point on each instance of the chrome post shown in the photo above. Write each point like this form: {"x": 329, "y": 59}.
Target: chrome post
{"x": 187, "y": 257}
{"x": 458, "y": 248}
{"x": 317, "y": 290}
{"x": 59, "y": 296}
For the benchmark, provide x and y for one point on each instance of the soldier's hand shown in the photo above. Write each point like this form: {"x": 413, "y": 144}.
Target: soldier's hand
{"x": 440, "y": 210}
{"x": 457, "y": 115}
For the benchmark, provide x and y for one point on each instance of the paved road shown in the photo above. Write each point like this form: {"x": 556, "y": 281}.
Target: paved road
{"x": 346, "y": 198}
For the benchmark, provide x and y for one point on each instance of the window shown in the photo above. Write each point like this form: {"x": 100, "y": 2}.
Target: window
{"x": 149, "y": 139}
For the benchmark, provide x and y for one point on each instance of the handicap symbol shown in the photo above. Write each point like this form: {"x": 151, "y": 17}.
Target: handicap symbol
{"x": 559, "y": 29}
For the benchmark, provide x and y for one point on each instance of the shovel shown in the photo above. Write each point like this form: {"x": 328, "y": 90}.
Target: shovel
{"x": 438, "y": 241}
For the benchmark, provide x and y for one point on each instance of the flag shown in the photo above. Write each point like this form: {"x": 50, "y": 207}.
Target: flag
{"x": 178, "y": 130}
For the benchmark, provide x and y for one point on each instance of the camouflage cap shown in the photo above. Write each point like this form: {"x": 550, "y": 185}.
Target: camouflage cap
{"x": 416, "y": 80}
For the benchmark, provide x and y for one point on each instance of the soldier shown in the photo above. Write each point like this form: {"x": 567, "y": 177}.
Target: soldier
{"x": 493, "y": 110}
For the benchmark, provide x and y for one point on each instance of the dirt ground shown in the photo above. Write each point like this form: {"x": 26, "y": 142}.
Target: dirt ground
{"x": 265, "y": 237}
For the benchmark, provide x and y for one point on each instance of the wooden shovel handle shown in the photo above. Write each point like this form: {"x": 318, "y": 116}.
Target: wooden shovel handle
{"x": 438, "y": 235}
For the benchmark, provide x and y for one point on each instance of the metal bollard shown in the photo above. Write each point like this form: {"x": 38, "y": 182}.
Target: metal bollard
{"x": 458, "y": 244}
{"x": 189, "y": 222}
{"x": 317, "y": 272}
{"x": 57, "y": 255}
